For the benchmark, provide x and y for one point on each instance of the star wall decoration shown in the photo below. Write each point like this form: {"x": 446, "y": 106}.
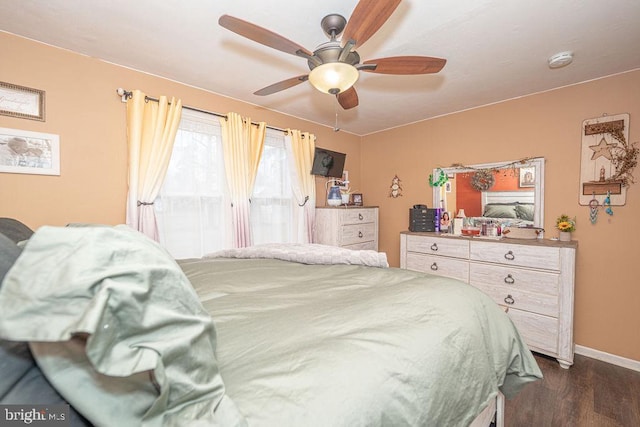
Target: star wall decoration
{"x": 603, "y": 149}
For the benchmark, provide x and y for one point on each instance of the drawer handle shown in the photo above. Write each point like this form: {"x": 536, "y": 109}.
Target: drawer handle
{"x": 434, "y": 247}
{"x": 509, "y": 300}
{"x": 510, "y": 256}
{"x": 360, "y": 234}
{"x": 360, "y": 217}
{"x": 434, "y": 266}
{"x": 509, "y": 280}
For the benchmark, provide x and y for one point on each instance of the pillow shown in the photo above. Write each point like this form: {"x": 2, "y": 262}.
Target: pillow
{"x": 116, "y": 327}
{"x": 525, "y": 211}
{"x": 22, "y": 380}
{"x": 494, "y": 210}
{"x": 15, "y": 358}
{"x": 14, "y": 229}
{"x": 9, "y": 252}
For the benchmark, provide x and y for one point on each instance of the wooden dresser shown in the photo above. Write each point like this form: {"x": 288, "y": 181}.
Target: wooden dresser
{"x": 533, "y": 280}
{"x": 349, "y": 227}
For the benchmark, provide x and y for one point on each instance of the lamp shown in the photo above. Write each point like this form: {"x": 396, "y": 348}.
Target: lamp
{"x": 333, "y": 77}
{"x": 461, "y": 214}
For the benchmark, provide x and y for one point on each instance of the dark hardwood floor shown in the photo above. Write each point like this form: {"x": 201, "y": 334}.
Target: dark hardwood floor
{"x": 590, "y": 393}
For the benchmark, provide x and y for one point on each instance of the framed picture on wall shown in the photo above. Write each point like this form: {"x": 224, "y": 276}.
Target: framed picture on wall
{"x": 357, "y": 199}
{"x": 344, "y": 181}
{"x": 23, "y": 151}
{"x": 21, "y": 102}
{"x": 527, "y": 177}
{"x": 447, "y": 187}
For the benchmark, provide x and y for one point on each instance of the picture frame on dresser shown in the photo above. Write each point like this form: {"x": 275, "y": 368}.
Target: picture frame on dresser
{"x": 357, "y": 199}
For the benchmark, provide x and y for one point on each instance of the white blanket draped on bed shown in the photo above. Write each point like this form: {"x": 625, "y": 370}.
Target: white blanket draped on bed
{"x": 307, "y": 254}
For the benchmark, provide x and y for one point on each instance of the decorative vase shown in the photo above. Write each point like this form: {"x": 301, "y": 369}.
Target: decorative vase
{"x": 565, "y": 236}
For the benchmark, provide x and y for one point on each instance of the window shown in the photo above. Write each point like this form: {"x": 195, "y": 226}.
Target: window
{"x": 272, "y": 201}
{"x": 193, "y": 208}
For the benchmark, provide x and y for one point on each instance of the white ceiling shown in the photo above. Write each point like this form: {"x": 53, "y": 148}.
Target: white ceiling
{"x": 496, "y": 49}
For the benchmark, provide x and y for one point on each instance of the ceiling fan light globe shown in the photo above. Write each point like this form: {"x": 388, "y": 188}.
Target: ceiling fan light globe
{"x": 333, "y": 77}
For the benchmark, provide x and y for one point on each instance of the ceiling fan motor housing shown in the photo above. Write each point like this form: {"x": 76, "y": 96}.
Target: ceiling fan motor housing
{"x": 330, "y": 52}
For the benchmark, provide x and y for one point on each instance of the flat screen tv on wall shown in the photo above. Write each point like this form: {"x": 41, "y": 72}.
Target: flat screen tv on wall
{"x": 328, "y": 163}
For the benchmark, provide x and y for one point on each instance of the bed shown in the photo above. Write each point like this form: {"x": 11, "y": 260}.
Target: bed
{"x": 295, "y": 335}
{"x": 508, "y": 208}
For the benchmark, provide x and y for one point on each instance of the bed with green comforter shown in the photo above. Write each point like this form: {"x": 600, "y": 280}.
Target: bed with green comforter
{"x": 129, "y": 336}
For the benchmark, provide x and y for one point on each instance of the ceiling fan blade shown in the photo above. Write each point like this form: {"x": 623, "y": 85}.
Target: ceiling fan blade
{"x": 367, "y": 18}
{"x": 261, "y": 35}
{"x": 285, "y": 84}
{"x": 348, "y": 99}
{"x": 405, "y": 65}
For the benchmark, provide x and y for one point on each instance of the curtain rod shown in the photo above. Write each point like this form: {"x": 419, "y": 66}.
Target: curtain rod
{"x": 126, "y": 94}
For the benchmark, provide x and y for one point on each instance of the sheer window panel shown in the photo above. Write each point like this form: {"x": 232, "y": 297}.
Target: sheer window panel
{"x": 272, "y": 201}
{"x": 192, "y": 208}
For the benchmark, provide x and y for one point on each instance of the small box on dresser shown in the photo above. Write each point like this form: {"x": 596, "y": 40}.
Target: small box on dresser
{"x": 533, "y": 280}
{"x": 348, "y": 227}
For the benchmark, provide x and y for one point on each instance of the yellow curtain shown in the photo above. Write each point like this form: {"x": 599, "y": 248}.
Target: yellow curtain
{"x": 151, "y": 132}
{"x": 242, "y": 144}
{"x": 301, "y": 146}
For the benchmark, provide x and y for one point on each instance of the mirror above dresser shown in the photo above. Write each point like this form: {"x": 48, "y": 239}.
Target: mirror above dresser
{"x": 511, "y": 193}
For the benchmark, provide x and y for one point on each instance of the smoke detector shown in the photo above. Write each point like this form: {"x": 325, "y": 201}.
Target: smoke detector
{"x": 561, "y": 59}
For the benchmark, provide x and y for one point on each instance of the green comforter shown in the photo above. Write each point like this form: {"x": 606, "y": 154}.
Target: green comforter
{"x": 349, "y": 345}
{"x": 117, "y": 328}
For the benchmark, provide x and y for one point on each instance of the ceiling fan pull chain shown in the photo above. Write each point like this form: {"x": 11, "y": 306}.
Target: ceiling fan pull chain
{"x": 335, "y": 126}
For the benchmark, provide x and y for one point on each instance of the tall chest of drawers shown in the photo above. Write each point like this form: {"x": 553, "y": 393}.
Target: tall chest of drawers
{"x": 348, "y": 227}
{"x": 533, "y": 280}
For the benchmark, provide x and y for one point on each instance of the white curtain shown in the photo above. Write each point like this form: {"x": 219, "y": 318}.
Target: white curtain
{"x": 301, "y": 147}
{"x": 242, "y": 144}
{"x": 151, "y": 131}
{"x": 272, "y": 201}
{"x": 193, "y": 208}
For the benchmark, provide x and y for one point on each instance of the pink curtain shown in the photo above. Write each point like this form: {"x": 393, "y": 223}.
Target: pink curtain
{"x": 242, "y": 144}
{"x": 301, "y": 148}
{"x": 151, "y": 132}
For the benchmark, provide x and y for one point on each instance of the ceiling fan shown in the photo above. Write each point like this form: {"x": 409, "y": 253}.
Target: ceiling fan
{"x": 335, "y": 65}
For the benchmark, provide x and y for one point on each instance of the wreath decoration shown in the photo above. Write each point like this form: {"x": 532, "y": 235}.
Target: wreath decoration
{"x": 442, "y": 178}
{"x": 483, "y": 180}
{"x": 624, "y": 158}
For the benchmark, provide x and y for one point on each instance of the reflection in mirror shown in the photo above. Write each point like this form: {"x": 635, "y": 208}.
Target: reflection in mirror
{"x": 511, "y": 193}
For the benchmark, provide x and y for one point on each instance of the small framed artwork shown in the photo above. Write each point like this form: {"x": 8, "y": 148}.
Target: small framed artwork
{"x": 21, "y": 102}
{"x": 447, "y": 187}
{"x": 528, "y": 177}
{"x": 344, "y": 181}
{"x": 23, "y": 151}
{"x": 357, "y": 199}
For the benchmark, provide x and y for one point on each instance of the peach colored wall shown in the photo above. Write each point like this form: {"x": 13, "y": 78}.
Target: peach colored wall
{"x": 83, "y": 108}
{"x": 607, "y": 294}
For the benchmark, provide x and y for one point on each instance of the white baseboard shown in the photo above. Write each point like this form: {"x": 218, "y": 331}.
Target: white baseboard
{"x": 609, "y": 358}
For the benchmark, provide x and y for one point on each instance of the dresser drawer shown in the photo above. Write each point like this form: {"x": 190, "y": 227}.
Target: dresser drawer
{"x": 513, "y": 278}
{"x": 448, "y": 267}
{"x": 533, "y": 256}
{"x": 521, "y": 299}
{"x": 370, "y": 245}
{"x": 442, "y": 246}
{"x": 357, "y": 216}
{"x": 539, "y": 332}
{"x": 357, "y": 233}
